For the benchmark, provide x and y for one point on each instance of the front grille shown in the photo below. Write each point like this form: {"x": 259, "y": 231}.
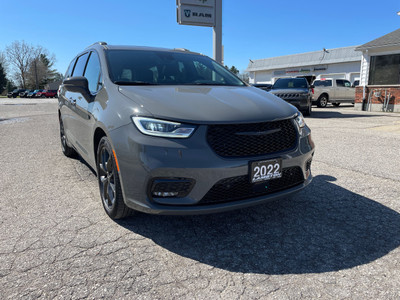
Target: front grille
{"x": 240, "y": 140}
{"x": 288, "y": 96}
{"x": 240, "y": 188}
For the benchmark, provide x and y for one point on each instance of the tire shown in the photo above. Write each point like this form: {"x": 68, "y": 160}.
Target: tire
{"x": 43, "y": 96}
{"x": 109, "y": 183}
{"x": 336, "y": 104}
{"x": 322, "y": 101}
{"x": 67, "y": 150}
{"x": 307, "y": 112}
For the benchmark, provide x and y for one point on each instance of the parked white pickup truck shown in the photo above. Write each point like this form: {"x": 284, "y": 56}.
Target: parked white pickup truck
{"x": 331, "y": 90}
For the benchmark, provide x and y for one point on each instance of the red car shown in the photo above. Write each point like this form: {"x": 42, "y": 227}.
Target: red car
{"x": 46, "y": 94}
{"x": 51, "y": 93}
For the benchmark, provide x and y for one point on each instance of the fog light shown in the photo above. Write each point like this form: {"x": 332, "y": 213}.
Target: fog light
{"x": 171, "y": 187}
{"x": 165, "y": 194}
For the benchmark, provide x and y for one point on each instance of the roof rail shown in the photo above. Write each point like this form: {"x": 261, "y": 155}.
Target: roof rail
{"x": 182, "y": 49}
{"x": 187, "y": 50}
{"x": 98, "y": 43}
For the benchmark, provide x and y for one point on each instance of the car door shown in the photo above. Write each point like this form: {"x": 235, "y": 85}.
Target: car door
{"x": 349, "y": 91}
{"x": 73, "y": 122}
{"x": 84, "y": 121}
{"x": 65, "y": 106}
{"x": 340, "y": 89}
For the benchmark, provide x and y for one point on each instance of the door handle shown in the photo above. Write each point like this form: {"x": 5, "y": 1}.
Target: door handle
{"x": 72, "y": 101}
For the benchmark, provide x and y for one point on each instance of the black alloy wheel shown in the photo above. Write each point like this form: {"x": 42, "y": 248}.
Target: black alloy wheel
{"x": 109, "y": 184}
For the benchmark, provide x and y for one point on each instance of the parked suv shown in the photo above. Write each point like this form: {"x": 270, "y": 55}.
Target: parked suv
{"x": 174, "y": 132}
{"x": 50, "y": 93}
{"x": 34, "y": 93}
{"x": 46, "y": 94}
{"x": 335, "y": 91}
{"x": 15, "y": 93}
{"x": 25, "y": 93}
{"x": 296, "y": 91}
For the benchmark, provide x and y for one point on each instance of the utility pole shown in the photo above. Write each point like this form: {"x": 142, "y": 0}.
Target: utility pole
{"x": 36, "y": 75}
{"x": 203, "y": 13}
{"x": 217, "y": 32}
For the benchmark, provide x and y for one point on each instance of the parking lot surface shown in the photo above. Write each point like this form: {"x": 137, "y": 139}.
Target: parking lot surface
{"x": 337, "y": 239}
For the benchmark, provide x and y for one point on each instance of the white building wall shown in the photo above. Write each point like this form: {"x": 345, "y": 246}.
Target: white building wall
{"x": 348, "y": 70}
{"x": 263, "y": 77}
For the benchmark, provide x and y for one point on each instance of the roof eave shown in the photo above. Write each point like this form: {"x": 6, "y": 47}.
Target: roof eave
{"x": 363, "y": 48}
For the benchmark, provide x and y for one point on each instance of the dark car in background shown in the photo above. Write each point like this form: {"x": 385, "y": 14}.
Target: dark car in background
{"x": 25, "y": 93}
{"x": 15, "y": 93}
{"x": 169, "y": 131}
{"x": 295, "y": 91}
{"x": 33, "y": 93}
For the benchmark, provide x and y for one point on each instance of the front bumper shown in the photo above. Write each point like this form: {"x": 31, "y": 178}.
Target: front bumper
{"x": 144, "y": 158}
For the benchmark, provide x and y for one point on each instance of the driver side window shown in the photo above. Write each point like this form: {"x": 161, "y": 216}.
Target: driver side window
{"x": 92, "y": 73}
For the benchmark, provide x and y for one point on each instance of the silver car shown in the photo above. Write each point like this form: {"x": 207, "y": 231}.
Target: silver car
{"x": 174, "y": 132}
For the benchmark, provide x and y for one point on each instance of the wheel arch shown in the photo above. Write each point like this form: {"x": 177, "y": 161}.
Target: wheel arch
{"x": 324, "y": 94}
{"x": 98, "y": 134}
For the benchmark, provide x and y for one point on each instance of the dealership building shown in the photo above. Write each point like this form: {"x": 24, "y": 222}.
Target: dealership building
{"x": 379, "y": 88}
{"x": 340, "y": 63}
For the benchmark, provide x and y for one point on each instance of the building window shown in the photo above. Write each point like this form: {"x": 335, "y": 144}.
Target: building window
{"x": 384, "y": 69}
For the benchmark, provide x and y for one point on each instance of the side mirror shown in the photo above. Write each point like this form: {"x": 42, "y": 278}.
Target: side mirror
{"x": 78, "y": 84}
{"x": 312, "y": 86}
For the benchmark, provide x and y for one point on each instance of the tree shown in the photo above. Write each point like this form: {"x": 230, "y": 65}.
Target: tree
{"x": 10, "y": 86}
{"x": 32, "y": 65}
{"x": 40, "y": 72}
{"x": 245, "y": 76}
{"x": 20, "y": 55}
{"x": 233, "y": 69}
{"x": 3, "y": 79}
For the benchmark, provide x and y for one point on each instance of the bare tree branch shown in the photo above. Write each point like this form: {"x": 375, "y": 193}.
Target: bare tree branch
{"x": 20, "y": 55}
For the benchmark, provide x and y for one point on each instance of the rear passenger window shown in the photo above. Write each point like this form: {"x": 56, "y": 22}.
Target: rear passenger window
{"x": 92, "y": 72}
{"x": 80, "y": 65}
{"x": 323, "y": 83}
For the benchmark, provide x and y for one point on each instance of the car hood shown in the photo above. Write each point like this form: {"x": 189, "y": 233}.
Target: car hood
{"x": 288, "y": 91}
{"x": 209, "y": 104}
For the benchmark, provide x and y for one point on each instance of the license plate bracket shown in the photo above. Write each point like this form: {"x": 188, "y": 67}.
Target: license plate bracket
{"x": 265, "y": 170}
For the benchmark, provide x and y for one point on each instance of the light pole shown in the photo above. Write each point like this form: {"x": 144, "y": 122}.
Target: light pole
{"x": 217, "y": 32}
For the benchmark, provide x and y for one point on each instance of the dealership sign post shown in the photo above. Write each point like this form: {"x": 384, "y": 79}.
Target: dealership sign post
{"x": 203, "y": 13}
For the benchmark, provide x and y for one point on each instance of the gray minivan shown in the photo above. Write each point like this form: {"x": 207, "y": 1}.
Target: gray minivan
{"x": 174, "y": 132}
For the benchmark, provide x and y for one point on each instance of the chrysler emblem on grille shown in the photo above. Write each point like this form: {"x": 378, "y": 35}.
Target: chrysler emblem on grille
{"x": 259, "y": 133}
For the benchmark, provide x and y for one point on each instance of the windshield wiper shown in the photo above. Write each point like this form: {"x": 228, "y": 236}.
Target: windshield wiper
{"x": 134, "y": 83}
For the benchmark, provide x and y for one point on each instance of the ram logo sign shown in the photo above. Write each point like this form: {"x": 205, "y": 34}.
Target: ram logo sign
{"x": 196, "y": 12}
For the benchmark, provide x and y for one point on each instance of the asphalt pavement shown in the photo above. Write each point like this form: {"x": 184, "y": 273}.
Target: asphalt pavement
{"x": 337, "y": 239}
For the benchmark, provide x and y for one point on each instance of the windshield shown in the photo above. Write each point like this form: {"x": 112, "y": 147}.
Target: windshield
{"x": 144, "y": 67}
{"x": 290, "y": 83}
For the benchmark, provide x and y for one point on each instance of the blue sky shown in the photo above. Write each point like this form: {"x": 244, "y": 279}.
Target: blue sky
{"x": 251, "y": 29}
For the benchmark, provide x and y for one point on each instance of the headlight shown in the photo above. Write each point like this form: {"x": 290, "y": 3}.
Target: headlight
{"x": 300, "y": 120}
{"x": 163, "y": 128}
